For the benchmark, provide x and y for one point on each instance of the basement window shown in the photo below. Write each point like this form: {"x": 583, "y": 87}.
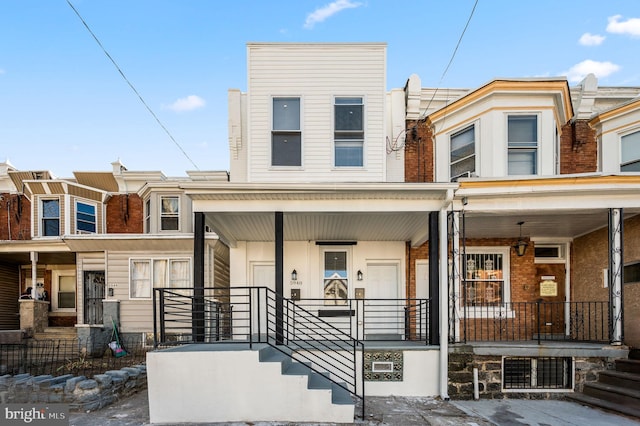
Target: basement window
{"x": 540, "y": 373}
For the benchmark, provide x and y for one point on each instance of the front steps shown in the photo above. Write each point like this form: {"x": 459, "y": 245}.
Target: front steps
{"x": 57, "y": 333}
{"x": 616, "y": 390}
{"x": 232, "y": 383}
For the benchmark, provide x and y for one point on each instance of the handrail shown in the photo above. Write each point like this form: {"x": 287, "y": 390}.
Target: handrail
{"x": 252, "y": 314}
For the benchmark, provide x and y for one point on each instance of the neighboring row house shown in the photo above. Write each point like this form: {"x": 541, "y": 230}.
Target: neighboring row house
{"x": 434, "y": 230}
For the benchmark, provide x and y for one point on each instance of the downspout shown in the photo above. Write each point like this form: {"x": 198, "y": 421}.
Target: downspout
{"x": 444, "y": 299}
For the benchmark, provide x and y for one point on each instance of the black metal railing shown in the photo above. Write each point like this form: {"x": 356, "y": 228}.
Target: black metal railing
{"x": 258, "y": 315}
{"x": 539, "y": 321}
{"x": 78, "y": 357}
{"x": 375, "y": 319}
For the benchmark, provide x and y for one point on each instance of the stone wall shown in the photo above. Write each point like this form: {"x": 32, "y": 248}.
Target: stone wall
{"x": 462, "y": 361}
{"x": 77, "y": 391}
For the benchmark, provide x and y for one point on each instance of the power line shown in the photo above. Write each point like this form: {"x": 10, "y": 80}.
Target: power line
{"x": 132, "y": 86}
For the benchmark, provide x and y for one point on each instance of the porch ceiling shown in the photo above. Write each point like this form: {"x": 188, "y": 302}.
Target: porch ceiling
{"x": 336, "y": 226}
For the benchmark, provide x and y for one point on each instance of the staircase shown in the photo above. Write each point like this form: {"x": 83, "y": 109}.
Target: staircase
{"x": 616, "y": 390}
{"x": 57, "y": 333}
{"x": 229, "y": 383}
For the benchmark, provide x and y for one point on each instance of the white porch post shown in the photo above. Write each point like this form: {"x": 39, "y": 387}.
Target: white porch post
{"x": 34, "y": 274}
{"x": 616, "y": 273}
{"x": 444, "y": 308}
{"x": 454, "y": 279}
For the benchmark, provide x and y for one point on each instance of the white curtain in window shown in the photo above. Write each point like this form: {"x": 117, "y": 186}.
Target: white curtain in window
{"x": 179, "y": 274}
{"x": 160, "y": 273}
{"x": 140, "y": 278}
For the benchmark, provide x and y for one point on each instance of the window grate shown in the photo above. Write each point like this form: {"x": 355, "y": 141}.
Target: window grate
{"x": 522, "y": 373}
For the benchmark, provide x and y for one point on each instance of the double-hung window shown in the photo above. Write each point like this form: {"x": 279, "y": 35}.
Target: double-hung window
{"x": 147, "y": 216}
{"x": 349, "y": 132}
{"x": 286, "y": 137}
{"x": 50, "y": 218}
{"x": 157, "y": 273}
{"x": 169, "y": 213}
{"x": 85, "y": 218}
{"x": 463, "y": 153}
{"x": 522, "y": 144}
{"x": 630, "y": 152}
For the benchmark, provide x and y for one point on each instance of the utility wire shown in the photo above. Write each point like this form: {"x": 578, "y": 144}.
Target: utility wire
{"x": 132, "y": 86}
{"x": 453, "y": 55}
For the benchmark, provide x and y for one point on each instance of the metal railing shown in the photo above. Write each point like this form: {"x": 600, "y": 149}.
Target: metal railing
{"x": 258, "y": 315}
{"x": 539, "y": 321}
{"x": 79, "y": 357}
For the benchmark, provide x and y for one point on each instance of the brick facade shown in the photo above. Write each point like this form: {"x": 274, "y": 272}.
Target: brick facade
{"x": 125, "y": 214}
{"x": 578, "y": 148}
{"x": 418, "y": 152}
{"x": 17, "y": 226}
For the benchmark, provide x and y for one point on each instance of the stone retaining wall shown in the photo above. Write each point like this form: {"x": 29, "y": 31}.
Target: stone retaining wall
{"x": 77, "y": 391}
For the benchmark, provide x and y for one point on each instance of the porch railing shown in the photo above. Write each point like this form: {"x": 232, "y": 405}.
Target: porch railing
{"x": 538, "y": 321}
{"x": 258, "y": 315}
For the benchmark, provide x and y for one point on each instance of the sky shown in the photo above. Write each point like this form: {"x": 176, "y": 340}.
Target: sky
{"x": 84, "y": 83}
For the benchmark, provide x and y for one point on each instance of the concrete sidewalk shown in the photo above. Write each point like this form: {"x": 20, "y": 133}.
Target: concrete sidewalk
{"x": 403, "y": 411}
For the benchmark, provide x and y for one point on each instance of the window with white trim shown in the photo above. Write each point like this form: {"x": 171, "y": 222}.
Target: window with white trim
{"x": 462, "y": 153}
{"x": 348, "y": 132}
{"x": 286, "y": 136}
{"x": 522, "y": 140}
{"x": 548, "y": 373}
{"x": 147, "y": 216}
{"x": 170, "y": 213}
{"x": 630, "y": 152}
{"x": 486, "y": 280}
{"x": 85, "y": 218}
{"x": 335, "y": 277}
{"x": 146, "y": 274}
{"x": 50, "y": 218}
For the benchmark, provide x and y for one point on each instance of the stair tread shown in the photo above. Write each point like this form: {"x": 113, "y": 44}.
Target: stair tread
{"x": 602, "y": 403}
{"x": 340, "y": 396}
{"x": 614, "y": 389}
{"x": 297, "y": 368}
{"x": 621, "y": 374}
{"x": 319, "y": 381}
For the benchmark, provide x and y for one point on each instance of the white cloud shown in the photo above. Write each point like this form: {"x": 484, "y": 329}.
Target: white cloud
{"x": 589, "y": 39}
{"x": 189, "y": 103}
{"x": 600, "y": 69}
{"x": 325, "y": 12}
{"x": 630, "y": 27}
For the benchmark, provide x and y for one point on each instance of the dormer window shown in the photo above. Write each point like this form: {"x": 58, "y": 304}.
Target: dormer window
{"x": 522, "y": 144}
{"x": 50, "y": 218}
{"x": 170, "y": 213}
{"x": 630, "y": 152}
{"x": 85, "y": 218}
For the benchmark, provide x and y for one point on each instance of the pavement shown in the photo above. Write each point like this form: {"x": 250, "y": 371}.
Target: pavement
{"x": 402, "y": 411}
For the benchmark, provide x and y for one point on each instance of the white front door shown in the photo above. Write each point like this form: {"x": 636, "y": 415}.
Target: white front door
{"x": 383, "y": 310}
{"x": 262, "y": 275}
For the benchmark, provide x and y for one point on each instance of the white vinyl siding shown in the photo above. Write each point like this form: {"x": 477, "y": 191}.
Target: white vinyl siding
{"x": 317, "y": 74}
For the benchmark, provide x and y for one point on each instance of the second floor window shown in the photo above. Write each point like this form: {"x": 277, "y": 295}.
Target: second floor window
{"x": 463, "y": 153}
{"x": 85, "y": 218}
{"x": 147, "y": 216}
{"x": 286, "y": 137}
{"x": 523, "y": 144}
{"x": 169, "y": 213}
{"x": 349, "y": 132}
{"x": 50, "y": 218}
{"x": 630, "y": 153}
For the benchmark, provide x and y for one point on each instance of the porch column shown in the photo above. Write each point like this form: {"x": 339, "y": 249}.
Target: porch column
{"x": 197, "y": 320}
{"x": 616, "y": 275}
{"x": 34, "y": 274}
{"x": 455, "y": 277}
{"x": 434, "y": 279}
{"x": 279, "y": 220}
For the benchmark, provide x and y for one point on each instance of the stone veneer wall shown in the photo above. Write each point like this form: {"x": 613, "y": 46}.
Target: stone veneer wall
{"x": 462, "y": 361}
{"x": 79, "y": 392}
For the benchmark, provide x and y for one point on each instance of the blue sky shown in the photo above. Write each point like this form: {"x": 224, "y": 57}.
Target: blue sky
{"x": 65, "y": 107}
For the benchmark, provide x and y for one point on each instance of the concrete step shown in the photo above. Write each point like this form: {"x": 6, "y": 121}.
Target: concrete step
{"x": 604, "y": 404}
{"x": 628, "y": 365}
{"x": 620, "y": 378}
{"x": 65, "y": 333}
{"x": 615, "y": 394}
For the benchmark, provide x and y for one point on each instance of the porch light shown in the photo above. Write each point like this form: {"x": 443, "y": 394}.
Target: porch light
{"x": 359, "y": 274}
{"x": 294, "y": 275}
{"x": 521, "y": 245}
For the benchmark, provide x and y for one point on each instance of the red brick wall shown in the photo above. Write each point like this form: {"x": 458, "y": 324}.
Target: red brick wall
{"x": 18, "y": 208}
{"x": 578, "y": 148}
{"x": 590, "y": 256}
{"x": 418, "y": 152}
{"x": 125, "y": 214}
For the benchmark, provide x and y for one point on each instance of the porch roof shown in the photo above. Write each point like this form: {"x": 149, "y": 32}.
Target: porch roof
{"x": 320, "y": 212}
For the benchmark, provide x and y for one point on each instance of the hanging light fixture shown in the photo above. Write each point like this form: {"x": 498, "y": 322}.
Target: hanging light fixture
{"x": 521, "y": 245}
